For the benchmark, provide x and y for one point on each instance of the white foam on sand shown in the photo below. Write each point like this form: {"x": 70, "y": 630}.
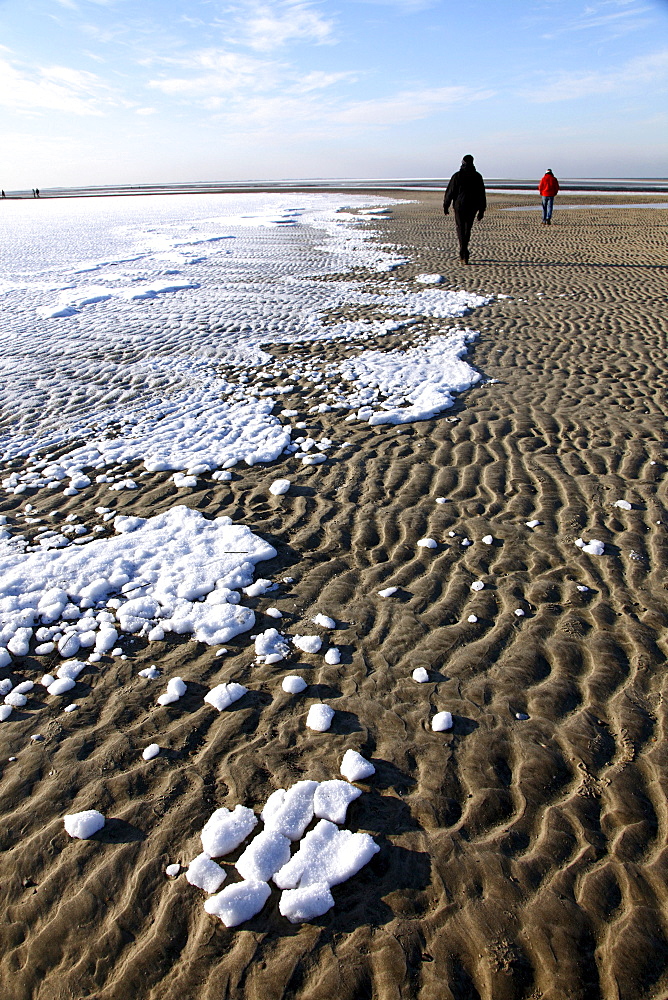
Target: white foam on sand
{"x": 140, "y": 301}
{"x": 175, "y": 572}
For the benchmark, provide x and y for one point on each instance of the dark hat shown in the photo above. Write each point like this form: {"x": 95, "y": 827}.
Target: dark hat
{"x": 467, "y": 159}
{"x": 548, "y": 171}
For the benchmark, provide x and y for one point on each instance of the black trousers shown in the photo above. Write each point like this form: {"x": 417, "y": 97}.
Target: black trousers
{"x": 464, "y": 223}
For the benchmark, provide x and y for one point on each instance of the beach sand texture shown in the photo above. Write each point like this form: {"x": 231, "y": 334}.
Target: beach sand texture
{"x": 521, "y": 859}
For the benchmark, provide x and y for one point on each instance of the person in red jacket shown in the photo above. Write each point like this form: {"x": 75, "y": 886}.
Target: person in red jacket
{"x": 548, "y": 187}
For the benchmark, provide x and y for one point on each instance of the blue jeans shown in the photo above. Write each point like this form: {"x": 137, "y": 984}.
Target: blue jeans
{"x": 547, "y": 207}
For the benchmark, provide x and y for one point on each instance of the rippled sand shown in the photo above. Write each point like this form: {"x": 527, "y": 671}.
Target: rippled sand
{"x": 519, "y": 859}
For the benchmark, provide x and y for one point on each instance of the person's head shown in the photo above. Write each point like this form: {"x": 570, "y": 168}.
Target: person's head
{"x": 548, "y": 171}
{"x": 467, "y": 161}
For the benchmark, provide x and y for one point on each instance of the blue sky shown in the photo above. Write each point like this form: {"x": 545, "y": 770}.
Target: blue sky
{"x": 105, "y": 91}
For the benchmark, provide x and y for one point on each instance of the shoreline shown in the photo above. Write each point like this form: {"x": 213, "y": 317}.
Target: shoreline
{"x": 602, "y": 186}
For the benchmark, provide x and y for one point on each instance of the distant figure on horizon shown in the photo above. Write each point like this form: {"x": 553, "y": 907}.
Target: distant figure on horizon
{"x": 466, "y": 193}
{"x": 548, "y": 188}
{"x": 37, "y": 192}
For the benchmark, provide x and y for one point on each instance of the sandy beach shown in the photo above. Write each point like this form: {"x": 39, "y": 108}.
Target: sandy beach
{"x": 522, "y": 853}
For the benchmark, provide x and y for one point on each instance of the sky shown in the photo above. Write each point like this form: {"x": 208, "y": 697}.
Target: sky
{"x": 162, "y": 91}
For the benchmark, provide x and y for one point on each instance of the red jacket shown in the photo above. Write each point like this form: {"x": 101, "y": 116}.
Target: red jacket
{"x": 549, "y": 185}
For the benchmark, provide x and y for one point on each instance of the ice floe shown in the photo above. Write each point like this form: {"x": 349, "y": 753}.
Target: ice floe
{"x": 355, "y": 767}
{"x": 594, "y": 547}
{"x": 441, "y": 721}
{"x": 83, "y": 825}
{"x": 319, "y": 718}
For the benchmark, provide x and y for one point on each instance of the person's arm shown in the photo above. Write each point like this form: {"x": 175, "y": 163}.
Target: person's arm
{"x": 482, "y": 203}
{"x": 449, "y": 195}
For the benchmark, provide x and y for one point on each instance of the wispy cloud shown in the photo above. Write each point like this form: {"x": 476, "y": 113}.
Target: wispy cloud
{"x": 651, "y": 69}
{"x": 611, "y": 17}
{"x": 53, "y": 88}
{"x": 218, "y": 71}
{"x": 408, "y": 105}
{"x": 265, "y": 27}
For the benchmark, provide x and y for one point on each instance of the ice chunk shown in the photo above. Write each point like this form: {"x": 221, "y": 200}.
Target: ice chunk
{"x": 326, "y": 855}
{"x": 24, "y": 687}
{"x": 332, "y": 798}
{"x": 333, "y": 656}
{"x": 477, "y": 585}
{"x": 355, "y": 767}
{"x": 387, "y": 592}
{"x": 69, "y": 645}
{"x": 623, "y": 504}
{"x": 519, "y": 612}
{"x": 225, "y": 830}
{"x": 324, "y": 621}
{"x": 594, "y": 547}
{"x": 151, "y": 673}
{"x": 5, "y": 712}
{"x": 19, "y": 644}
{"x": 172, "y": 870}
{"x": 84, "y": 824}
{"x": 15, "y": 699}
{"x": 106, "y": 639}
{"x": 441, "y": 722}
{"x": 293, "y": 684}
{"x": 224, "y": 695}
{"x": 532, "y": 524}
{"x": 238, "y": 902}
{"x": 5, "y": 658}
{"x": 427, "y": 543}
{"x": 72, "y": 668}
{"x": 290, "y": 812}
{"x": 319, "y": 718}
{"x": 151, "y": 751}
{"x": 258, "y": 588}
{"x": 61, "y": 686}
{"x": 300, "y": 905}
{"x": 472, "y": 619}
{"x": 488, "y": 539}
{"x": 271, "y": 643}
{"x": 205, "y": 873}
{"x": 176, "y": 688}
{"x": 429, "y": 279}
{"x": 273, "y": 613}
{"x": 420, "y": 675}
{"x": 268, "y": 852}
{"x": 279, "y": 487}
{"x": 307, "y": 643}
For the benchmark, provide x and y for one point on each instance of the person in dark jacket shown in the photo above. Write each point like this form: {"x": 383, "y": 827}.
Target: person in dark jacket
{"x": 548, "y": 187}
{"x": 466, "y": 193}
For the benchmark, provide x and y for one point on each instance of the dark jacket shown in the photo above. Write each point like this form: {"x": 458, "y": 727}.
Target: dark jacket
{"x": 466, "y": 192}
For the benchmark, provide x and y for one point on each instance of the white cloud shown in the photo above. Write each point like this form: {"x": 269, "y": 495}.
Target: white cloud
{"x": 53, "y": 88}
{"x": 647, "y": 70}
{"x": 616, "y": 17}
{"x": 319, "y": 80}
{"x": 218, "y": 71}
{"x": 407, "y": 106}
{"x": 268, "y": 26}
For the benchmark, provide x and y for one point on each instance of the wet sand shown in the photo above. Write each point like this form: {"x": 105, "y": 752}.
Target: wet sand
{"x": 521, "y": 859}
